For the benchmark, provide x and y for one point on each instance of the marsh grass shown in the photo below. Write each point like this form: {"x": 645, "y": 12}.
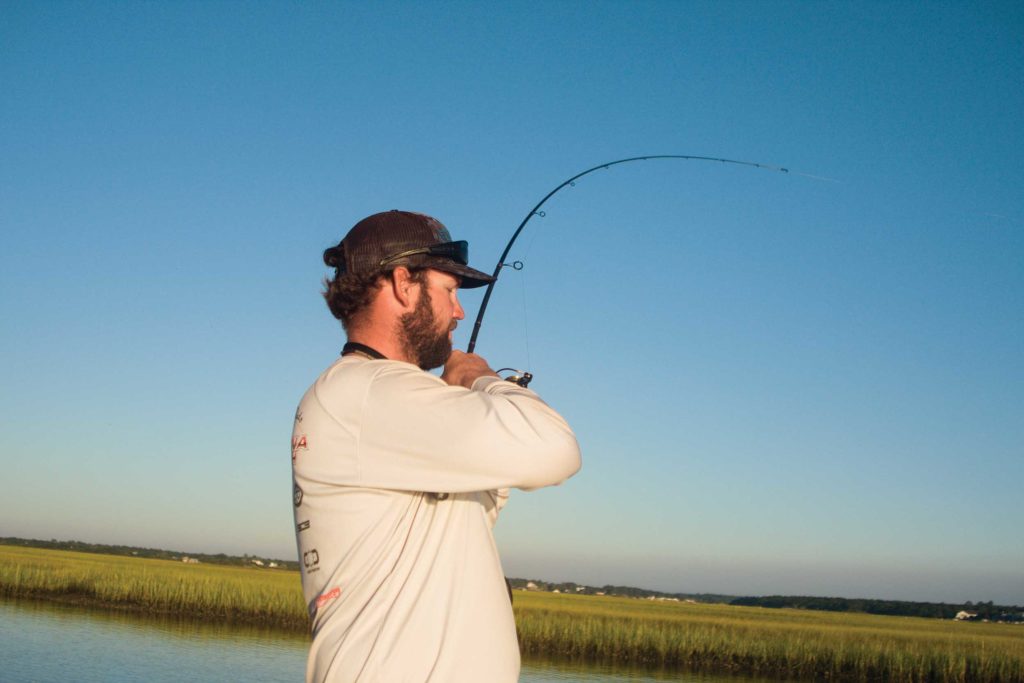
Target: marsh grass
{"x": 159, "y": 586}
{"x": 780, "y": 643}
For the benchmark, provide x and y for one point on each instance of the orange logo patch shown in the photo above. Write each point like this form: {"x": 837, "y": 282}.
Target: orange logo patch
{"x": 327, "y": 597}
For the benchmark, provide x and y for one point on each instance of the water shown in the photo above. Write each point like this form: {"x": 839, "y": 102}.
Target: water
{"x": 43, "y": 642}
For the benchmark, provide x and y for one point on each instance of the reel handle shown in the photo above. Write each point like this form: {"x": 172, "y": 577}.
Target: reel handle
{"x": 520, "y": 377}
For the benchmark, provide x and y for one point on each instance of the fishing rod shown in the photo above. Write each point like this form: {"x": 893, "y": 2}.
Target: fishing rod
{"x": 523, "y": 378}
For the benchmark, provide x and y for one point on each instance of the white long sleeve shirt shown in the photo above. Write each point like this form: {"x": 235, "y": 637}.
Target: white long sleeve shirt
{"x": 398, "y": 479}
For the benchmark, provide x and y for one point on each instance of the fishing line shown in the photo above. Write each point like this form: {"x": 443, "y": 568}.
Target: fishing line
{"x": 526, "y": 319}
{"x": 523, "y": 378}
{"x": 524, "y": 288}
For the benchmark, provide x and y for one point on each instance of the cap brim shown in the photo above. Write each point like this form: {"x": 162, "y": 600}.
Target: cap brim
{"x": 471, "y": 277}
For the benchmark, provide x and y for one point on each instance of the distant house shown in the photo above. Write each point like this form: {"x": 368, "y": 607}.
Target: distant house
{"x": 964, "y": 615}
{"x": 189, "y": 560}
{"x": 531, "y": 586}
{"x": 273, "y": 565}
{"x": 258, "y": 563}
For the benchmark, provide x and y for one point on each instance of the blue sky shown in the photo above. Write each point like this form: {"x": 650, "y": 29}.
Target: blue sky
{"x": 783, "y": 383}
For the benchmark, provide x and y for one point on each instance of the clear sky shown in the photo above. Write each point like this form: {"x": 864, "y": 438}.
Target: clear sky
{"x": 782, "y": 383}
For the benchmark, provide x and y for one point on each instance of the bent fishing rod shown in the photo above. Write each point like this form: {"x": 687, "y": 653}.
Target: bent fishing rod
{"x": 523, "y": 378}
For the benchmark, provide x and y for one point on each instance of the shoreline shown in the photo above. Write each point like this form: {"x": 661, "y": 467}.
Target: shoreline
{"x": 86, "y": 602}
{"x": 706, "y": 638}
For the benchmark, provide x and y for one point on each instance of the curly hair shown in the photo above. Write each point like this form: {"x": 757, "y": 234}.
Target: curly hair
{"x": 348, "y": 294}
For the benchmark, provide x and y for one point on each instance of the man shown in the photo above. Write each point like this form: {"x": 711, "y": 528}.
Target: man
{"x": 399, "y": 475}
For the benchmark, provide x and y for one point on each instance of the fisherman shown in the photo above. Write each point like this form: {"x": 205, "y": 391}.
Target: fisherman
{"x": 398, "y": 474}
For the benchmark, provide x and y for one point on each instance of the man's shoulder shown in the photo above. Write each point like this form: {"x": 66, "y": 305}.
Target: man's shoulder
{"x": 352, "y": 372}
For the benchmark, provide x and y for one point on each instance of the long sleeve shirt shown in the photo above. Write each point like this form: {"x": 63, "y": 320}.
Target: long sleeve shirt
{"x": 398, "y": 479}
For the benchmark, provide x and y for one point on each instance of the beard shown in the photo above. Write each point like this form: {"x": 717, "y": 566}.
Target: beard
{"x": 421, "y": 339}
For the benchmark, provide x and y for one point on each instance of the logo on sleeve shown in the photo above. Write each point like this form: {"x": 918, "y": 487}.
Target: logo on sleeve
{"x": 327, "y": 597}
{"x": 299, "y": 443}
{"x": 311, "y": 560}
{"x": 297, "y": 495}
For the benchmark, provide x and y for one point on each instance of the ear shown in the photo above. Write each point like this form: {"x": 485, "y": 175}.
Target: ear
{"x": 402, "y": 286}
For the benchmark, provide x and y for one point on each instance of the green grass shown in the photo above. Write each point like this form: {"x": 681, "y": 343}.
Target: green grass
{"x": 771, "y": 642}
{"x": 204, "y": 591}
{"x": 777, "y": 642}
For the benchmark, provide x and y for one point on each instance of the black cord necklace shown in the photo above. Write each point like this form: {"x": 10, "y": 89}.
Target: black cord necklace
{"x": 363, "y": 349}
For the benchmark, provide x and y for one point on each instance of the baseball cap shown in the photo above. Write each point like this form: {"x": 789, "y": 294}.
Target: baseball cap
{"x": 402, "y": 238}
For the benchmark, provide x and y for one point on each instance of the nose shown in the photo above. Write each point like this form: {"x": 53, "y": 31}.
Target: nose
{"x": 458, "y": 313}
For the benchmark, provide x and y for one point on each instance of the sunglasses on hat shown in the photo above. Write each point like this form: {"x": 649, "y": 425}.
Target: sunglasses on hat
{"x": 456, "y": 251}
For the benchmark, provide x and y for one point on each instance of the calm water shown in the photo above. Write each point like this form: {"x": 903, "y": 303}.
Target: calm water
{"x": 48, "y": 643}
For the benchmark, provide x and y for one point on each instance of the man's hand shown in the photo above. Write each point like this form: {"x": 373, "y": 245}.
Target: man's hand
{"x": 462, "y": 369}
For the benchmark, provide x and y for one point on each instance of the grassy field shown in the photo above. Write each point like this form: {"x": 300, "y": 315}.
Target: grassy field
{"x": 770, "y": 642}
{"x": 205, "y": 591}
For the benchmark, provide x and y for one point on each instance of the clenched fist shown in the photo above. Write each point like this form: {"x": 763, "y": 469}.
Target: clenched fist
{"x": 462, "y": 369}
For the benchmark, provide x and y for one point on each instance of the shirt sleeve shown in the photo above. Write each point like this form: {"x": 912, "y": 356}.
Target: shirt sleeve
{"x": 418, "y": 433}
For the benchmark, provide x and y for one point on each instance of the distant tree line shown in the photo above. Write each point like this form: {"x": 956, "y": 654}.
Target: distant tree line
{"x": 937, "y": 610}
{"x": 155, "y": 553}
{"x": 624, "y": 591}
